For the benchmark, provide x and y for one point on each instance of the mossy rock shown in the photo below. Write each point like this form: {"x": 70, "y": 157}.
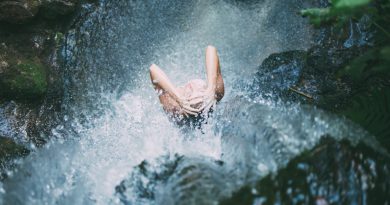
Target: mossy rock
{"x": 24, "y": 80}
{"x": 56, "y": 8}
{"x": 18, "y": 11}
{"x": 9, "y": 149}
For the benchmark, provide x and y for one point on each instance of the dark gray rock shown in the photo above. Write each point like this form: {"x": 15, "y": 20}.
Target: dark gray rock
{"x": 21, "y": 11}
{"x": 9, "y": 150}
{"x": 31, "y": 67}
{"x": 178, "y": 180}
{"x": 311, "y": 76}
{"x": 331, "y": 173}
{"x": 54, "y": 8}
{"x": 18, "y": 11}
{"x": 279, "y": 72}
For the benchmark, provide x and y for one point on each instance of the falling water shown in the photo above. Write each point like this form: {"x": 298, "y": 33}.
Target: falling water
{"x": 112, "y": 119}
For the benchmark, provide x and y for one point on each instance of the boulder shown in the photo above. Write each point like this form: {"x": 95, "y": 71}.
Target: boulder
{"x": 279, "y": 72}
{"x": 52, "y": 9}
{"x": 177, "y": 180}
{"x": 18, "y": 11}
{"x": 9, "y": 150}
{"x": 333, "y": 172}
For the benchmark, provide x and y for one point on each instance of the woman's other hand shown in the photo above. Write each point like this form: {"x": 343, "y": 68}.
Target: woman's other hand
{"x": 209, "y": 100}
{"x": 186, "y": 108}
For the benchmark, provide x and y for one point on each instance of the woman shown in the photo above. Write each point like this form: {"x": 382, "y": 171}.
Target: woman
{"x": 196, "y": 96}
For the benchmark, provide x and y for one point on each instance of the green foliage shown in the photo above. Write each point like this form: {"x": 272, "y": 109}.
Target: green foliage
{"x": 375, "y": 61}
{"x": 58, "y": 38}
{"x": 370, "y": 72}
{"x": 340, "y": 11}
{"x": 371, "y": 110}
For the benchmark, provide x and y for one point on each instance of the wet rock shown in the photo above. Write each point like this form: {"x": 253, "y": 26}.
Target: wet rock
{"x": 332, "y": 50}
{"x": 321, "y": 82}
{"x": 144, "y": 178}
{"x": 333, "y": 172}
{"x": 279, "y": 72}
{"x": 29, "y": 80}
{"x": 31, "y": 67}
{"x": 54, "y": 8}
{"x": 181, "y": 180}
{"x": 305, "y": 76}
{"x": 18, "y": 11}
{"x": 9, "y": 150}
{"x": 21, "y": 11}
{"x": 23, "y": 80}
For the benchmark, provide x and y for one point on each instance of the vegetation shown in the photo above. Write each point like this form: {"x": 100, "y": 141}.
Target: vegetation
{"x": 369, "y": 73}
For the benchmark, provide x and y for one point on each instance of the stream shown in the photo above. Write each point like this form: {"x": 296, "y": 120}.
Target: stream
{"x": 112, "y": 120}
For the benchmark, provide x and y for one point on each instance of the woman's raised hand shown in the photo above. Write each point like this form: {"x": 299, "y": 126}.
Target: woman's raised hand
{"x": 206, "y": 97}
{"x": 186, "y": 108}
{"x": 209, "y": 100}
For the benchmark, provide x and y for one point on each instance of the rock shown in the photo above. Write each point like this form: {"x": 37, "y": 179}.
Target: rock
{"x": 331, "y": 173}
{"x": 321, "y": 82}
{"x": 279, "y": 72}
{"x": 333, "y": 49}
{"x": 311, "y": 72}
{"x": 9, "y": 150}
{"x": 181, "y": 180}
{"x": 3, "y": 66}
{"x": 24, "y": 80}
{"x": 31, "y": 66}
{"x": 18, "y": 11}
{"x": 54, "y": 8}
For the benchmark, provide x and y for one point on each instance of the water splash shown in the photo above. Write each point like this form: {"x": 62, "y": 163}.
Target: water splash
{"x": 112, "y": 117}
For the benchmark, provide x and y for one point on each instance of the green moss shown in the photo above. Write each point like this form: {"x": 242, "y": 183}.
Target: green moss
{"x": 59, "y": 37}
{"x": 25, "y": 80}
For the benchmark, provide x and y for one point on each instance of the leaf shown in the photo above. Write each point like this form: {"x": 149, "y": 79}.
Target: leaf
{"x": 349, "y": 4}
{"x": 316, "y": 15}
{"x": 373, "y": 62}
{"x": 340, "y": 10}
{"x": 372, "y": 111}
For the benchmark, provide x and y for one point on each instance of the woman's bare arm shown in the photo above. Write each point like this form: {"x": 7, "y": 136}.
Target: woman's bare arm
{"x": 215, "y": 87}
{"x": 161, "y": 81}
{"x": 214, "y": 77}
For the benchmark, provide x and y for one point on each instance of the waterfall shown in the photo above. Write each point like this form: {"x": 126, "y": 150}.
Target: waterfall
{"x": 112, "y": 119}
